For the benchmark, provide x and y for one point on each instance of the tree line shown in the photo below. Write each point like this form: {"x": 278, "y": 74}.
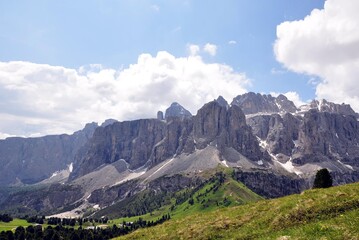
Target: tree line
{"x": 5, "y": 218}
{"x": 69, "y": 233}
{"x": 65, "y": 221}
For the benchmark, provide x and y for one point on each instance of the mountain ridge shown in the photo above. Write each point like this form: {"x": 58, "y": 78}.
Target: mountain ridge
{"x": 273, "y": 151}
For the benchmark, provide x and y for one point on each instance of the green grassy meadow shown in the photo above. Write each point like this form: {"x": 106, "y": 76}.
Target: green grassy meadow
{"x": 13, "y": 224}
{"x": 331, "y": 213}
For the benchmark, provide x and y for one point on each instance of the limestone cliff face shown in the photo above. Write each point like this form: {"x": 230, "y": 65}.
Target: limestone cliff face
{"x": 227, "y": 128}
{"x": 30, "y": 160}
{"x": 177, "y": 139}
{"x": 132, "y": 141}
{"x": 327, "y": 136}
{"x": 279, "y": 132}
{"x": 148, "y": 142}
{"x": 314, "y": 137}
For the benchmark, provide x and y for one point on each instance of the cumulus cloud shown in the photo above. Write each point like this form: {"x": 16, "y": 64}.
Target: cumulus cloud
{"x": 232, "y": 42}
{"x": 325, "y": 44}
{"x": 39, "y": 99}
{"x": 211, "y": 49}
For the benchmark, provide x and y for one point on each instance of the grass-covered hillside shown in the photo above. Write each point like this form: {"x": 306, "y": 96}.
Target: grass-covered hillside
{"x": 218, "y": 191}
{"x": 331, "y": 213}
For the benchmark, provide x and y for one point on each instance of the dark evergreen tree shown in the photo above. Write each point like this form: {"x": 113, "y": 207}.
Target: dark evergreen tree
{"x": 38, "y": 232}
{"x": 323, "y": 179}
{"x": 20, "y": 233}
{"x": 10, "y": 235}
{"x": 5, "y": 218}
{"x": 30, "y": 232}
{"x": 48, "y": 233}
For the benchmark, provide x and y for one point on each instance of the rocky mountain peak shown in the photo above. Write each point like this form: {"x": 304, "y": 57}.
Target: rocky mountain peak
{"x": 108, "y": 122}
{"x": 176, "y": 110}
{"x": 252, "y": 103}
{"x": 221, "y": 101}
{"x": 326, "y": 106}
{"x": 284, "y": 104}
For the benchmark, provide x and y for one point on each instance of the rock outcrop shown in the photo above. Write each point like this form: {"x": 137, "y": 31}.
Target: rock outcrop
{"x": 271, "y": 185}
{"x": 31, "y": 160}
{"x": 160, "y": 115}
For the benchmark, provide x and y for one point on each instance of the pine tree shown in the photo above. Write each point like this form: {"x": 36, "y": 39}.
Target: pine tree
{"x": 323, "y": 179}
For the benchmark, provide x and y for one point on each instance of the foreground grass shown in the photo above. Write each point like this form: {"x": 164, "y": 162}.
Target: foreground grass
{"x": 315, "y": 214}
{"x": 13, "y": 224}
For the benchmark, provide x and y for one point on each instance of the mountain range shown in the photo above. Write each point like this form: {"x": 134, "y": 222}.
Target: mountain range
{"x": 271, "y": 145}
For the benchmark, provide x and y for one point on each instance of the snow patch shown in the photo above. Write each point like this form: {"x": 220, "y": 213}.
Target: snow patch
{"x": 260, "y": 162}
{"x": 224, "y": 162}
{"x": 71, "y": 167}
{"x": 289, "y": 167}
{"x": 55, "y": 174}
{"x": 259, "y": 114}
{"x": 262, "y": 143}
{"x": 133, "y": 174}
{"x": 346, "y": 165}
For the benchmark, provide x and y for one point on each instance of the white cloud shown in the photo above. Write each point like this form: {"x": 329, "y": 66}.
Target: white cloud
{"x": 193, "y": 49}
{"x": 39, "y": 99}
{"x": 292, "y": 96}
{"x": 232, "y": 42}
{"x": 211, "y": 49}
{"x": 325, "y": 44}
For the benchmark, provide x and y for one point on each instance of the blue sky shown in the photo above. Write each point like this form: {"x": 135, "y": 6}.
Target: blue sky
{"x": 115, "y": 33}
{"x": 103, "y": 46}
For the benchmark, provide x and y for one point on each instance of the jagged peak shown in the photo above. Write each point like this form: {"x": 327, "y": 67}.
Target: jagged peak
{"x": 177, "y": 110}
{"x": 253, "y": 103}
{"x": 323, "y": 105}
{"x": 221, "y": 101}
